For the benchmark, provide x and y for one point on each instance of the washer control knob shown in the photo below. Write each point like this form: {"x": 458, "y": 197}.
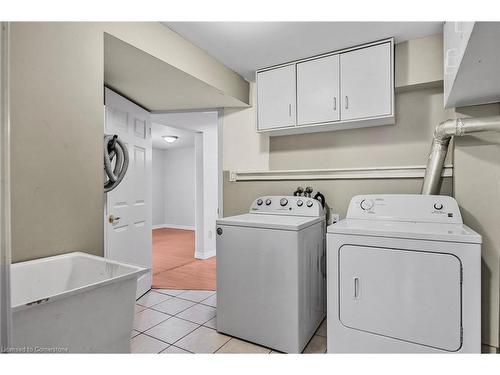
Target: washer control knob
{"x": 259, "y": 202}
{"x": 366, "y": 204}
{"x": 283, "y": 202}
{"x": 268, "y": 202}
{"x": 309, "y": 203}
{"x": 438, "y": 206}
{"x": 300, "y": 203}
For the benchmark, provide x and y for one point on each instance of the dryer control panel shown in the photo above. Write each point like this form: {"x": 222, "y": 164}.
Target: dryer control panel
{"x": 287, "y": 205}
{"x": 405, "y": 207}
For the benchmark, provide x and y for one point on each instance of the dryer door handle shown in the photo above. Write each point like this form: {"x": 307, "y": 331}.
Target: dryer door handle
{"x": 357, "y": 287}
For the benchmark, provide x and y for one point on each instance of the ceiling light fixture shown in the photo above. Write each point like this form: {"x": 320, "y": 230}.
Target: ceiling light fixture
{"x": 169, "y": 138}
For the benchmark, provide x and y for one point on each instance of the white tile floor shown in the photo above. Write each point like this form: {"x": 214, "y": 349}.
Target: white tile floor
{"x": 183, "y": 321}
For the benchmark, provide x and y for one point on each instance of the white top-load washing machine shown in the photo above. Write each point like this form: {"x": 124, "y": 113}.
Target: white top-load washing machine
{"x": 404, "y": 275}
{"x": 271, "y": 287}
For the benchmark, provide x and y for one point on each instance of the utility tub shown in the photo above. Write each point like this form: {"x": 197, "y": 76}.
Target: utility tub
{"x": 74, "y": 303}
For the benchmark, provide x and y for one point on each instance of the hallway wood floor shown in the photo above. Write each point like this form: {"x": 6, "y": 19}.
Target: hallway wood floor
{"x": 174, "y": 265}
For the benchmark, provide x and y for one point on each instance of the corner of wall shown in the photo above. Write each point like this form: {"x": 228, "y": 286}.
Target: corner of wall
{"x": 240, "y": 138}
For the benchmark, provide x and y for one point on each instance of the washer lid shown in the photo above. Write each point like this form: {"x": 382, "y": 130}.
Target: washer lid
{"x": 412, "y": 230}
{"x": 281, "y": 222}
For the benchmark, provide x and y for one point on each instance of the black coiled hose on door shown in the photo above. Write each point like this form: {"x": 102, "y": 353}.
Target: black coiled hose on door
{"x": 114, "y": 148}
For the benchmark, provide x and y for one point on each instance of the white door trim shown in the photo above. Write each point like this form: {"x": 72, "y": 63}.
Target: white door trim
{"x": 220, "y": 145}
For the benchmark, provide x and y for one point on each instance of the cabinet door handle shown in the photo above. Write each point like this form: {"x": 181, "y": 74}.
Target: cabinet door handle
{"x": 289, "y": 110}
{"x": 346, "y": 102}
{"x": 334, "y": 103}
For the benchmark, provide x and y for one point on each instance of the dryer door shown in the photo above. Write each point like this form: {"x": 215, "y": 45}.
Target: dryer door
{"x": 408, "y": 295}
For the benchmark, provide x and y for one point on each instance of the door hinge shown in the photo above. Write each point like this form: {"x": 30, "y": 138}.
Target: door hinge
{"x": 461, "y": 333}
{"x": 461, "y": 275}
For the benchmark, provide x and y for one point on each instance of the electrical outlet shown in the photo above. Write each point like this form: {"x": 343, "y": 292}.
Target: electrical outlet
{"x": 333, "y": 217}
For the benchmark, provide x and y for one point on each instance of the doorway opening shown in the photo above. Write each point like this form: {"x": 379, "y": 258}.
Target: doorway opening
{"x": 182, "y": 255}
{"x": 185, "y": 200}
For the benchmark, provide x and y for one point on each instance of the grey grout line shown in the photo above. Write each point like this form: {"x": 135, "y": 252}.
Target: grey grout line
{"x": 195, "y": 303}
{"x": 148, "y": 307}
{"x": 230, "y": 338}
{"x": 180, "y": 312}
{"x": 187, "y": 320}
{"x": 190, "y": 321}
{"x": 199, "y": 325}
{"x": 185, "y": 299}
{"x": 189, "y": 351}
{"x": 179, "y": 296}
{"x": 249, "y": 342}
{"x": 178, "y": 347}
{"x": 169, "y": 316}
{"x": 171, "y": 344}
{"x": 185, "y": 336}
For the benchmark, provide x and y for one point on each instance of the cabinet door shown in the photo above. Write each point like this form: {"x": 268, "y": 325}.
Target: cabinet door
{"x": 276, "y": 98}
{"x": 366, "y": 82}
{"x": 318, "y": 90}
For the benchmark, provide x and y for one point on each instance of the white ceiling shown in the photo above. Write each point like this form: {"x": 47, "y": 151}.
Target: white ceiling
{"x": 247, "y": 46}
{"x": 197, "y": 121}
{"x": 186, "y": 137}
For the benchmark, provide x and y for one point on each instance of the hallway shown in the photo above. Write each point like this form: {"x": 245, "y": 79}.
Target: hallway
{"x": 174, "y": 265}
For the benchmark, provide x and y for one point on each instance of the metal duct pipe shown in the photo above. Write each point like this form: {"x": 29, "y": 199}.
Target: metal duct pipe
{"x": 442, "y": 135}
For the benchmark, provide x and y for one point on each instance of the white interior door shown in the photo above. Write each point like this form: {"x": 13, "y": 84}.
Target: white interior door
{"x": 365, "y": 82}
{"x": 318, "y": 90}
{"x": 129, "y": 237}
{"x": 407, "y": 295}
{"x": 276, "y": 98}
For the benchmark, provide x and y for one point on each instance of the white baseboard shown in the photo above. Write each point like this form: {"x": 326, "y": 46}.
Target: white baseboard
{"x": 204, "y": 255}
{"x": 174, "y": 226}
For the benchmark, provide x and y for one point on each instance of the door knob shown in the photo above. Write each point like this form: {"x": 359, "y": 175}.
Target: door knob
{"x": 113, "y": 219}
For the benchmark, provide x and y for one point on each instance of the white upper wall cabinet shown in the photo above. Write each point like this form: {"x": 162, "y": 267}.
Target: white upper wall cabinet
{"x": 366, "y": 84}
{"x": 352, "y": 88}
{"x": 276, "y": 98}
{"x": 318, "y": 90}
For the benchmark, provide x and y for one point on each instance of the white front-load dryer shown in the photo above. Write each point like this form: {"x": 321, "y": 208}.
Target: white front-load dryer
{"x": 271, "y": 272}
{"x": 403, "y": 276}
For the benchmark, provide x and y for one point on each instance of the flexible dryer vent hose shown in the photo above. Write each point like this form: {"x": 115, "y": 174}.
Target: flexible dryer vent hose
{"x": 114, "y": 148}
{"x": 442, "y": 135}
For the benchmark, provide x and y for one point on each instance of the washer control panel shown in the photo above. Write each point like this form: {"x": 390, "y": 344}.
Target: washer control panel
{"x": 405, "y": 207}
{"x": 287, "y": 205}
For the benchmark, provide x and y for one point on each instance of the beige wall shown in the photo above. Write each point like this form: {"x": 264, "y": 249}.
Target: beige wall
{"x": 239, "y": 195}
{"x": 477, "y": 189}
{"x": 57, "y": 125}
{"x": 243, "y": 148}
{"x": 419, "y": 62}
{"x": 403, "y": 144}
